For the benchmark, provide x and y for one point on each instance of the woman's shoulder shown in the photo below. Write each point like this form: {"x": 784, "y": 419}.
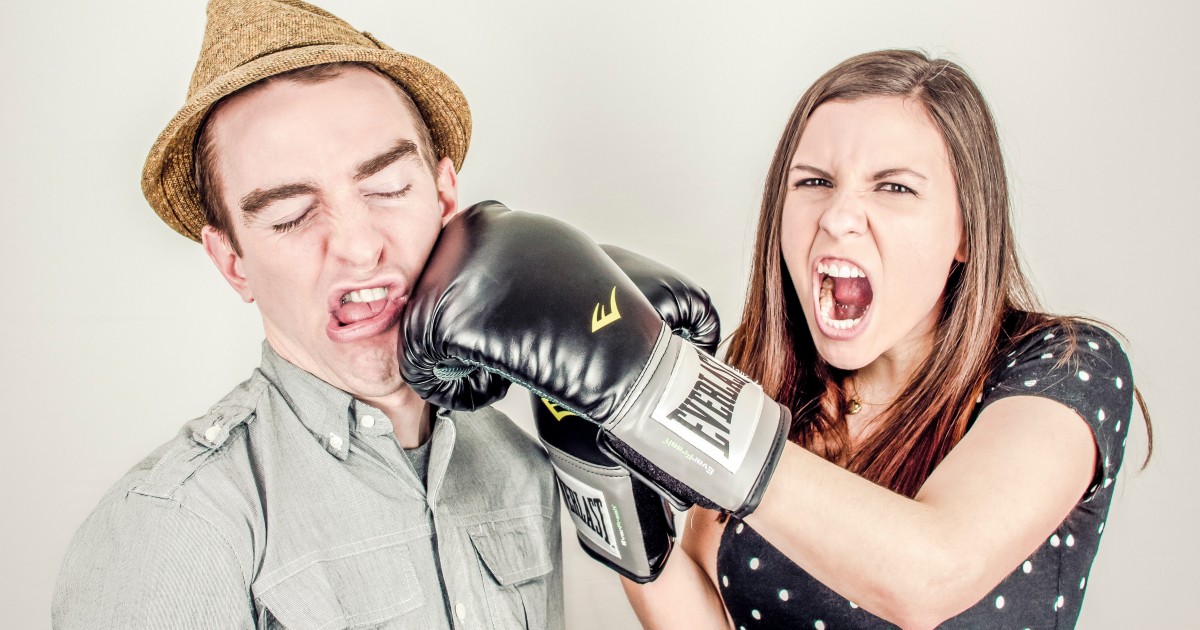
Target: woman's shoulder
{"x": 1080, "y": 364}
{"x": 1073, "y": 344}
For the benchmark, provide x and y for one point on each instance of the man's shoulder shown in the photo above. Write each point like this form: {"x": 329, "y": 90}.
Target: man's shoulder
{"x": 208, "y": 445}
{"x": 203, "y": 468}
{"x": 181, "y": 518}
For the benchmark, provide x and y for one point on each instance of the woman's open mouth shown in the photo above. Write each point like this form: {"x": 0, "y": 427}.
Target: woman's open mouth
{"x": 843, "y": 296}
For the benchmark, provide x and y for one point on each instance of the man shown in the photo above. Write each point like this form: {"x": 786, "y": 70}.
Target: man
{"x": 317, "y": 167}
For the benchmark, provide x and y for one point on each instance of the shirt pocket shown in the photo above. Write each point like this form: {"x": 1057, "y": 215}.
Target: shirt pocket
{"x": 515, "y": 564}
{"x": 343, "y": 588}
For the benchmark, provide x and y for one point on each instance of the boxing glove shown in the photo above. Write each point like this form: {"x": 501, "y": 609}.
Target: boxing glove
{"x": 513, "y": 296}
{"x": 619, "y": 520}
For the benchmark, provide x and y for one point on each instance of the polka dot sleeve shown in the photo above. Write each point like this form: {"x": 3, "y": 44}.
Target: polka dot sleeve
{"x": 1084, "y": 368}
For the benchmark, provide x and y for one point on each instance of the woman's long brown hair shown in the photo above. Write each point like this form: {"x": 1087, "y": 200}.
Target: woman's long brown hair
{"x": 989, "y": 304}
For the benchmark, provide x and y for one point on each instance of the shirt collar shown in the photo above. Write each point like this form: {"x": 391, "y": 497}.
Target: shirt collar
{"x": 326, "y": 411}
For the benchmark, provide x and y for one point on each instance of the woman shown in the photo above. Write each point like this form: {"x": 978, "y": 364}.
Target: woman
{"x": 954, "y": 448}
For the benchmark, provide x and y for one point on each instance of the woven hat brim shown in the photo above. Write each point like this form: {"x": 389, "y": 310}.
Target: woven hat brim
{"x": 167, "y": 175}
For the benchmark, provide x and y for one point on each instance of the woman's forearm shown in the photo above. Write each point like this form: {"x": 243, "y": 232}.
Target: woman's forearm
{"x": 682, "y": 597}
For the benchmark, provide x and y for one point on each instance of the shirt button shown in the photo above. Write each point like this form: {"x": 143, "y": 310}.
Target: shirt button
{"x": 460, "y": 609}
{"x": 335, "y": 441}
{"x": 367, "y": 421}
{"x": 212, "y": 433}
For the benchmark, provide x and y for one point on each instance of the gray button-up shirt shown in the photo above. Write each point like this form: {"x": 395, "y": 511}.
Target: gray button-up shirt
{"x": 291, "y": 505}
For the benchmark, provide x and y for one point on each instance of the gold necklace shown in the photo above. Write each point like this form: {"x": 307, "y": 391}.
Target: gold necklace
{"x": 855, "y": 404}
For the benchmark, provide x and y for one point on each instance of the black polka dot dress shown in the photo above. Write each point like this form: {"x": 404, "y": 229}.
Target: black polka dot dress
{"x": 763, "y": 589}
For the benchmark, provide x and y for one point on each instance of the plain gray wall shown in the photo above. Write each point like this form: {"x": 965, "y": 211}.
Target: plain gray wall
{"x": 648, "y": 124}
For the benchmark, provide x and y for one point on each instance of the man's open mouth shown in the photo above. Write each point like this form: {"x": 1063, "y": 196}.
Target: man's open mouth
{"x": 361, "y": 305}
{"x": 845, "y": 294}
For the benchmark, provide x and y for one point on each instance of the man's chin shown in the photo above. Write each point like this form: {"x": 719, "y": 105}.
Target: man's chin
{"x": 371, "y": 368}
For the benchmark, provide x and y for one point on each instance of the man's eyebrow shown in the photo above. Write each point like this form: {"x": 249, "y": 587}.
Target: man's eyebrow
{"x": 886, "y": 173}
{"x": 403, "y": 149}
{"x": 256, "y": 200}
{"x": 812, "y": 169}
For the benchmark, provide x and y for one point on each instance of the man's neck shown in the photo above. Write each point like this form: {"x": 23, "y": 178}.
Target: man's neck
{"x": 411, "y": 417}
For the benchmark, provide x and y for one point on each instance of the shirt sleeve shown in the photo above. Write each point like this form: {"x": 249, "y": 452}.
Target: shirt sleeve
{"x": 1084, "y": 368}
{"x": 146, "y": 562}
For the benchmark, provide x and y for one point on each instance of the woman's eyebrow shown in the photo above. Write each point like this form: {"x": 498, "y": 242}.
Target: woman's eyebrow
{"x": 888, "y": 172}
{"x": 812, "y": 169}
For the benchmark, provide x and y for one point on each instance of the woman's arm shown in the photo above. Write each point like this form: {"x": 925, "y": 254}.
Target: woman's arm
{"x": 685, "y": 594}
{"x": 999, "y": 493}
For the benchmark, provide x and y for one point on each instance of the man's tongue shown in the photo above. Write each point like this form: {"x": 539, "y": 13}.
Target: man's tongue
{"x": 354, "y": 312}
{"x": 851, "y": 297}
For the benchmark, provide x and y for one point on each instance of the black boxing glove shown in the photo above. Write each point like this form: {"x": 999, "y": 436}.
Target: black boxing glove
{"x": 619, "y": 520}
{"x": 512, "y": 296}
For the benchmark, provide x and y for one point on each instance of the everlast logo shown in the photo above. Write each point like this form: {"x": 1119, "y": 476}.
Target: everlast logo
{"x": 708, "y": 409}
{"x": 602, "y": 318}
{"x": 588, "y": 510}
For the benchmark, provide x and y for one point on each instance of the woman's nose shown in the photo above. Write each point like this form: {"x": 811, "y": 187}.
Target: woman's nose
{"x": 845, "y": 215}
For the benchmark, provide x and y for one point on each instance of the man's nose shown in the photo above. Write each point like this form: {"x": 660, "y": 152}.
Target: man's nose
{"x": 845, "y": 215}
{"x": 355, "y": 238}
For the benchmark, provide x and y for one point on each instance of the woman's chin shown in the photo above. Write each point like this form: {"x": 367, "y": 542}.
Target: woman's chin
{"x": 847, "y": 355}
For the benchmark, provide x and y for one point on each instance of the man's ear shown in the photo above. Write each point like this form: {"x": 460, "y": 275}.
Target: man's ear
{"x": 447, "y": 189}
{"x": 227, "y": 260}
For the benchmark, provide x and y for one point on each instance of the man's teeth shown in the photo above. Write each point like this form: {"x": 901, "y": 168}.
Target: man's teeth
{"x": 843, "y": 270}
{"x": 365, "y": 295}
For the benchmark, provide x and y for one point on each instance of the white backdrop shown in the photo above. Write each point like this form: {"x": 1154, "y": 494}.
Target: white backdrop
{"x": 648, "y": 124}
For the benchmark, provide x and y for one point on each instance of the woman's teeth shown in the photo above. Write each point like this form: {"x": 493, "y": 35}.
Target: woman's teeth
{"x": 840, "y": 271}
{"x": 365, "y": 295}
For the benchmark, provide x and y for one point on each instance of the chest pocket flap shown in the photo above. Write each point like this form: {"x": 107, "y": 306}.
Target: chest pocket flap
{"x": 514, "y": 550}
{"x": 341, "y": 588}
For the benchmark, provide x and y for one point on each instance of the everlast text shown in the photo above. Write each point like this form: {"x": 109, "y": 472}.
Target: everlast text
{"x": 590, "y": 511}
{"x": 708, "y": 409}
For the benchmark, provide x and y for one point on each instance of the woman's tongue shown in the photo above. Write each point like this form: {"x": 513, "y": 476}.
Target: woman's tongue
{"x": 354, "y": 312}
{"x": 851, "y": 297}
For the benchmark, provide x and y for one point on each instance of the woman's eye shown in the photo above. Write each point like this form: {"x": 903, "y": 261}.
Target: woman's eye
{"x": 813, "y": 181}
{"x": 391, "y": 194}
{"x": 896, "y": 188}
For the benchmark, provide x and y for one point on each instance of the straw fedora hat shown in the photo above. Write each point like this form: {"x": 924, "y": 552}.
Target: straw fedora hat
{"x": 249, "y": 40}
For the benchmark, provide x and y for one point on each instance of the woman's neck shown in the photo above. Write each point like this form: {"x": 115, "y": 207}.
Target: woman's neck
{"x": 874, "y": 387}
